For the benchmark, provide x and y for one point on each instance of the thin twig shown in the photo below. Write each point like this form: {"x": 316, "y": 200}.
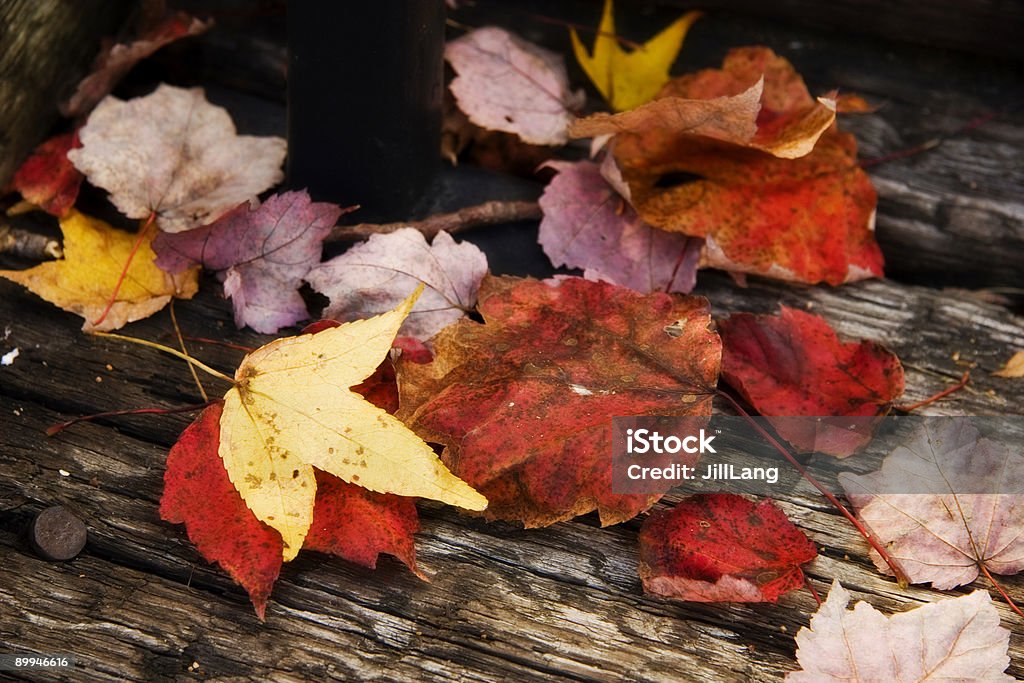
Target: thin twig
{"x": 57, "y": 428}
{"x": 28, "y": 245}
{"x": 488, "y": 213}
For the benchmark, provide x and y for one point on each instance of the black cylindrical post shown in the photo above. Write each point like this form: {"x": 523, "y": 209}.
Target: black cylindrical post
{"x": 365, "y": 85}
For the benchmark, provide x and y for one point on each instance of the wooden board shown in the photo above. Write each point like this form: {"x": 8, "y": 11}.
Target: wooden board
{"x": 557, "y": 603}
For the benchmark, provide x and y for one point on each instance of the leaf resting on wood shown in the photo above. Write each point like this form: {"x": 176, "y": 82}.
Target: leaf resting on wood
{"x": 722, "y": 548}
{"x": 291, "y": 410}
{"x": 955, "y": 639}
{"x": 94, "y": 257}
{"x": 794, "y": 365}
{"x": 523, "y": 403}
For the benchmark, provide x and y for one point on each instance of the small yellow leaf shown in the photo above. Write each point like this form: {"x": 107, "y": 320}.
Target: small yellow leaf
{"x": 1014, "y": 367}
{"x": 95, "y": 254}
{"x": 630, "y": 79}
{"x": 292, "y": 409}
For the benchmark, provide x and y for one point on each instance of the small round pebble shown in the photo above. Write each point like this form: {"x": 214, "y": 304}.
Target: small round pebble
{"x": 56, "y": 534}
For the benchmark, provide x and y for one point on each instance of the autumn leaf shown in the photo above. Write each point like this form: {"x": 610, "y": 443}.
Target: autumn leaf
{"x": 348, "y": 521}
{"x": 794, "y": 365}
{"x": 1013, "y": 368}
{"x": 588, "y": 225}
{"x": 732, "y": 119}
{"x": 506, "y": 83}
{"x": 176, "y": 156}
{"x": 376, "y": 275}
{"x": 115, "y": 61}
{"x": 946, "y": 503}
{"x": 47, "y": 178}
{"x": 263, "y": 254}
{"x": 722, "y": 548}
{"x": 289, "y": 412}
{"x": 94, "y": 257}
{"x": 629, "y": 79}
{"x": 955, "y": 639}
{"x": 524, "y": 402}
{"x": 808, "y": 219}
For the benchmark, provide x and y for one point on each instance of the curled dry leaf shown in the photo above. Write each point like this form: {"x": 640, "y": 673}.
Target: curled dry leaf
{"x": 47, "y": 178}
{"x": 94, "y": 258}
{"x": 628, "y": 79}
{"x": 807, "y": 219}
{"x": 956, "y": 639}
{"x": 588, "y": 225}
{"x": 794, "y": 366}
{"x": 945, "y": 504}
{"x": 722, "y": 548}
{"x": 733, "y": 119}
{"x": 175, "y": 155}
{"x": 115, "y": 61}
{"x": 523, "y": 403}
{"x": 506, "y": 83}
{"x": 376, "y": 275}
{"x": 263, "y": 254}
{"x": 291, "y": 410}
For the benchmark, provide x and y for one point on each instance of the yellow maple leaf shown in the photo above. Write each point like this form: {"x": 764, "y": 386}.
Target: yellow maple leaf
{"x": 292, "y": 409}
{"x": 95, "y": 254}
{"x": 629, "y": 79}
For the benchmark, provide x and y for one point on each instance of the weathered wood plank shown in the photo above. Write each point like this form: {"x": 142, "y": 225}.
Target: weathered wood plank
{"x": 563, "y": 602}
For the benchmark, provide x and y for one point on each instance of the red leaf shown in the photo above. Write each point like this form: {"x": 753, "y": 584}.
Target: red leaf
{"x": 524, "y": 402}
{"x": 198, "y": 493}
{"x": 358, "y": 525}
{"x": 795, "y": 365}
{"x": 47, "y": 178}
{"x": 722, "y": 548}
{"x": 805, "y": 217}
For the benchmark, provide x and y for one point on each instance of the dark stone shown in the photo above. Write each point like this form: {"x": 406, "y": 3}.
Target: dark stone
{"x": 56, "y": 534}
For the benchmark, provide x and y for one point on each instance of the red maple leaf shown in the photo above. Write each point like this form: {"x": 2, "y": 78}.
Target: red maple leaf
{"x": 794, "y": 365}
{"x": 524, "y": 402}
{"x": 722, "y": 548}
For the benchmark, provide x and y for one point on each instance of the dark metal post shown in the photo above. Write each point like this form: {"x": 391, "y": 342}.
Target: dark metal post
{"x": 365, "y": 91}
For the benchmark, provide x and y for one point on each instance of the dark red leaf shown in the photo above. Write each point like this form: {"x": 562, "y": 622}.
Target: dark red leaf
{"x": 722, "y": 548}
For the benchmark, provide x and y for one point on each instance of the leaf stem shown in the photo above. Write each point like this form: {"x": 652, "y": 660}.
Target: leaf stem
{"x": 901, "y": 577}
{"x": 932, "y": 399}
{"x": 184, "y": 350}
{"x": 167, "y": 349}
{"x": 57, "y": 428}
{"x": 143, "y": 231}
{"x": 488, "y": 213}
{"x": 1009, "y": 600}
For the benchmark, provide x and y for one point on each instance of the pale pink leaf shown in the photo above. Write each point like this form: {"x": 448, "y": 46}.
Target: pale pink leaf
{"x": 262, "y": 253}
{"x": 955, "y": 639}
{"x": 588, "y": 225}
{"x": 375, "y": 276}
{"x": 945, "y": 503}
{"x": 174, "y": 154}
{"x": 506, "y": 83}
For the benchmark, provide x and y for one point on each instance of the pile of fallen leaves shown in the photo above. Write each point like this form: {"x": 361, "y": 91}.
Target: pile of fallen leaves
{"x": 323, "y": 440}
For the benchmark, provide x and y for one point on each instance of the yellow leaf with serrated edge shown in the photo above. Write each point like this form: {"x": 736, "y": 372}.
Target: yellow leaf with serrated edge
{"x": 292, "y": 409}
{"x": 84, "y": 280}
{"x": 630, "y": 79}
